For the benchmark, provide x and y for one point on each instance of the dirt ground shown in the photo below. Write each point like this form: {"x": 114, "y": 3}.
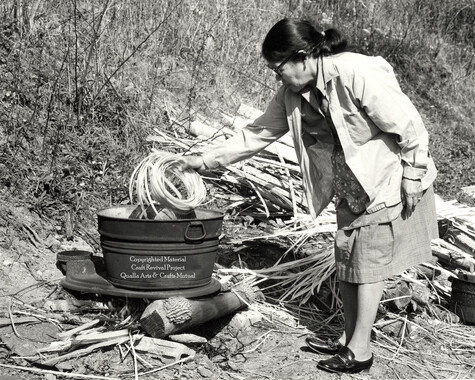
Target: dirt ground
{"x": 272, "y": 347}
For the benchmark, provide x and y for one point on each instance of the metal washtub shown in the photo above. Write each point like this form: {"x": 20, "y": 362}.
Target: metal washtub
{"x": 159, "y": 254}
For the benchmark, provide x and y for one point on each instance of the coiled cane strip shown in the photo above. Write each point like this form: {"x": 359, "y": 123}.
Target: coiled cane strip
{"x": 159, "y": 179}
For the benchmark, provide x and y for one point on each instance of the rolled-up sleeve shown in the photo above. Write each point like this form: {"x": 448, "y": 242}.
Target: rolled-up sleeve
{"x": 379, "y": 94}
{"x": 253, "y": 138}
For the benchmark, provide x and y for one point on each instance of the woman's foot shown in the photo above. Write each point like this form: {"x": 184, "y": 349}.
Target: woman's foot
{"x": 323, "y": 346}
{"x": 344, "y": 362}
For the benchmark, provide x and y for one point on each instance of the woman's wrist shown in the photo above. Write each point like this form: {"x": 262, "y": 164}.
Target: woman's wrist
{"x": 413, "y": 173}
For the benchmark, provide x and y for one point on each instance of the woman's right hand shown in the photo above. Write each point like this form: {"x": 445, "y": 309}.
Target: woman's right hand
{"x": 193, "y": 162}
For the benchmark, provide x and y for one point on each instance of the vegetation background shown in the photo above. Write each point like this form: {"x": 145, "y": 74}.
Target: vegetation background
{"x": 83, "y": 82}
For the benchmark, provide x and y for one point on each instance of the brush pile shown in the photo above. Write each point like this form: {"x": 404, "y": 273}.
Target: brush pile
{"x": 300, "y": 288}
{"x": 267, "y": 188}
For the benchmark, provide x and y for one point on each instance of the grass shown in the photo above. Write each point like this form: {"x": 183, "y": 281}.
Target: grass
{"x": 84, "y": 82}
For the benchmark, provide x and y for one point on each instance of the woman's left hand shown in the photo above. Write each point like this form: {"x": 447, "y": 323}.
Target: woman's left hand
{"x": 411, "y": 194}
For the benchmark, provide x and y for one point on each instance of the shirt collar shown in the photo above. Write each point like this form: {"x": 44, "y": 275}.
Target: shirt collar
{"x": 326, "y": 71}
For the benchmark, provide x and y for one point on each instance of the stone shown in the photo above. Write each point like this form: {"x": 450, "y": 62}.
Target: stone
{"x": 245, "y": 319}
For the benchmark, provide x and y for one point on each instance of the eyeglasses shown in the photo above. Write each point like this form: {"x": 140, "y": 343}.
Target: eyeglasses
{"x": 279, "y": 69}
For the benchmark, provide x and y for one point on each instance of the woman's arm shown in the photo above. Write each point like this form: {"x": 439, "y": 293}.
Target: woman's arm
{"x": 382, "y": 99}
{"x": 249, "y": 141}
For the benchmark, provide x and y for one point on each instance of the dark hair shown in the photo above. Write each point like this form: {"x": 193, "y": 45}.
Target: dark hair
{"x": 289, "y": 36}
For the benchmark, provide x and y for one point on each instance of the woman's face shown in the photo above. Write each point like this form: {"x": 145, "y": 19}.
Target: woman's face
{"x": 295, "y": 75}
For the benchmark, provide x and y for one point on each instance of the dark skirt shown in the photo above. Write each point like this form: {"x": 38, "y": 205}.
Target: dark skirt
{"x": 375, "y": 252}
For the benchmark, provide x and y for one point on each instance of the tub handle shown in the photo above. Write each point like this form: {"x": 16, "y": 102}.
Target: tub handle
{"x": 195, "y": 238}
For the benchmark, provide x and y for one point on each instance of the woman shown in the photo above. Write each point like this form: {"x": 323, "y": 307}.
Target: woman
{"x": 361, "y": 142}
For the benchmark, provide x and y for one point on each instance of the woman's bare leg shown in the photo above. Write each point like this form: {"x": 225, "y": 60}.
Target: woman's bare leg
{"x": 361, "y": 301}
